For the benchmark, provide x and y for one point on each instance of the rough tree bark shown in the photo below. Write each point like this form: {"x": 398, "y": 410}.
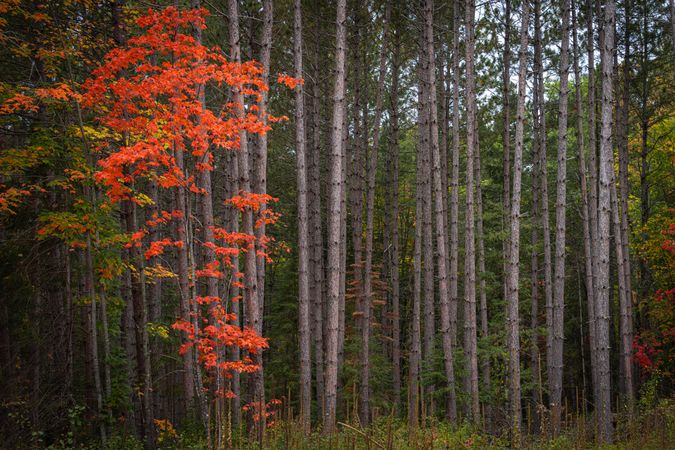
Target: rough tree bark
{"x": 303, "y": 230}
{"x": 251, "y": 298}
{"x": 470, "y": 337}
{"x": 454, "y": 176}
{"x": 506, "y": 134}
{"x": 622, "y": 139}
{"x": 514, "y": 253}
{"x": 592, "y": 176}
{"x": 314, "y": 198}
{"x": 557, "y": 311}
{"x": 259, "y": 182}
{"x": 541, "y": 133}
{"x": 364, "y": 387}
{"x": 393, "y": 252}
{"x": 583, "y": 173}
{"x": 604, "y": 209}
{"x": 335, "y": 215}
{"x": 441, "y": 230}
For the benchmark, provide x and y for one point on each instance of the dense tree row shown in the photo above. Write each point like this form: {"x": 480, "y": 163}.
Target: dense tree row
{"x": 176, "y": 252}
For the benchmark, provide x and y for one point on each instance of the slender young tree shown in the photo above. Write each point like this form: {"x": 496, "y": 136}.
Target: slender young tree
{"x": 335, "y": 216}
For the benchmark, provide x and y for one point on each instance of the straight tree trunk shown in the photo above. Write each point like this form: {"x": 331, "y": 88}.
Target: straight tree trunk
{"x": 535, "y": 292}
{"x": 627, "y": 313}
{"x": 541, "y": 133}
{"x": 393, "y": 215}
{"x": 416, "y": 332}
{"x": 482, "y": 288}
{"x": 232, "y": 220}
{"x": 317, "y": 266}
{"x": 454, "y": 177}
{"x": 625, "y": 345}
{"x": 93, "y": 336}
{"x": 506, "y": 134}
{"x": 606, "y": 169}
{"x": 253, "y": 317}
{"x": 357, "y": 165}
{"x": 335, "y": 216}
{"x": 303, "y": 230}
{"x": 583, "y": 172}
{"x": 592, "y": 200}
{"x": 514, "y": 253}
{"x": 557, "y": 312}
{"x": 260, "y": 171}
{"x": 441, "y": 230}
{"x": 423, "y": 150}
{"x": 364, "y": 387}
{"x": 470, "y": 337}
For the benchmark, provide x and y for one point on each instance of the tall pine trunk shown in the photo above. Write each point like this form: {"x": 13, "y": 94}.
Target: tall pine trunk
{"x": 303, "y": 230}
{"x": 441, "y": 230}
{"x": 335, "y": 216}
{"x": 251, "y": 298}
{"x": 364, "y": 387}
{"x": 470, "y": 337}
{"x": 557, "y": 312}
{"x": 454, "y": 177}
{"x": 513, "y": 317}
{"x": 583, "y": 174}
{"x": 604, "y": 407}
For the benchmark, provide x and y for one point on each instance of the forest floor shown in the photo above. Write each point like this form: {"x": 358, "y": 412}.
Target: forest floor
{"x": 653, "y": 428}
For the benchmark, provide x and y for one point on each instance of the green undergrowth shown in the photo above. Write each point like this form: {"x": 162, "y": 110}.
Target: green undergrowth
{"x": 650, "y": 428}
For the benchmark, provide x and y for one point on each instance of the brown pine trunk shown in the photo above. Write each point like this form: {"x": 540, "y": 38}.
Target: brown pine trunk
{"x": 470, "y": 337}
{"x": 482, "y": 288}
{"x": 514, "y": 253}
{"x": 604, "y": 407}
{"x": 441, "y": 230}
{"x": 454, "y": 177}
{"x": 251, "y": 298}
{"x": 592, "y": 200}
{"x": 364, "y": 387}
{"x": 506, "y": 135}
{"x": 414, "y": 365}
{"x": 540, "y": 132}
{"x": 583, "y": 173}
{"x": 90, "y": 289}
{"x": 393, "y": 251}
{"x": 259, "y": 183}
{"x": 335, "y": 216}
{"x": 627, "y": 313}
{"x": 317, "y": 264}
{"x": 303, "y": 231}
{"x": 535, "y": 292}
{"x": 425, "y": 220}
{"x": 557, "y": 312}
